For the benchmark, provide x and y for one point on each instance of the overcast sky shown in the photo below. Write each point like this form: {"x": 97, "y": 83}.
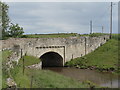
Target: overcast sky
{"x": 54, "y": 17}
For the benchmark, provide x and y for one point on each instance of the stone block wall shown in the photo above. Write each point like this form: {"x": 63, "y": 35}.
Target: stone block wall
{"x": 71, "y": 47}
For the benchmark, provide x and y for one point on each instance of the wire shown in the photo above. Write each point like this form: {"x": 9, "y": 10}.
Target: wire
{"x": 104, "y": 14}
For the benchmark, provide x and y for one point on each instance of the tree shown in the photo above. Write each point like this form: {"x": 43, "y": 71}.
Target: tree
{"x": 15, "y": 30}
{"x": 5, "y": 19}
{"x": 7, "y": 30}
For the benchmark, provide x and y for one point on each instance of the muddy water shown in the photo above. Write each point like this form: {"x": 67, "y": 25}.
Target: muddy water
{"x": 101, "y": 79}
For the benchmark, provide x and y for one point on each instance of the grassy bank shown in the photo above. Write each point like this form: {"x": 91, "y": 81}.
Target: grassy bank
{"x": 39, "y": 78}
{"x": 45, "y": 79}
{"x": 105, "y": 58}
{"x": 5, "y": 74}
{"x": 0, "y": 70}
{"x": 29, "y": 60}
{"x": 56, "y": 35}
{"x": 42, "y": 78}
{"x": 61, "y": 35}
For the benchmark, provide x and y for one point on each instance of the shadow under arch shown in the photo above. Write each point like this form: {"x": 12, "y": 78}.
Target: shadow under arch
{"x": 51, "y": 59}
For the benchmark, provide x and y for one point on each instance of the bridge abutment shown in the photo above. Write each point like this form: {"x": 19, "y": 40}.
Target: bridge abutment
{"x": 67, "y": 48}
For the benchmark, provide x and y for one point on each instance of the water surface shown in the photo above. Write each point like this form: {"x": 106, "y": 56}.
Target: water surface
{"x": 101, "y": 79}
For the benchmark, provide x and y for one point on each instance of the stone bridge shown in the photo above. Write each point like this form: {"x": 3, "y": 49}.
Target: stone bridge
{"x": 54, "y": 51}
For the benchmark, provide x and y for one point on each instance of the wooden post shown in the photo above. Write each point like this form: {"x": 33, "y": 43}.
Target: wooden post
{"x": 21, "y": 53}
{"x": 31, "y": 82}
{"x": 72, "y": 56}
{"x": 23, "y": 66}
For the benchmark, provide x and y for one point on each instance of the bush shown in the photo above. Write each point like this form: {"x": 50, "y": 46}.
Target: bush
{"x": 24, "y": 36}
{"x": 97, "y": 34}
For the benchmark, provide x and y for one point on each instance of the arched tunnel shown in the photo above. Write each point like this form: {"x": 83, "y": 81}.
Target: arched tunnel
{"x": 51, "y": 59}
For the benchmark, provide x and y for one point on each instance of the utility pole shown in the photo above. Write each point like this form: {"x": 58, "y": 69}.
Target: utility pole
{"x": 111, "y": 22}
{"x": 102, "y": 29}
{"x": 91, "y": 27}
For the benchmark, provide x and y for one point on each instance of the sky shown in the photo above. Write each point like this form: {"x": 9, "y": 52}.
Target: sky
{"x": 63, "y": 17}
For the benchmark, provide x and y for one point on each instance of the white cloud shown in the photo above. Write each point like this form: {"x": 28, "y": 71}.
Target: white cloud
{"x": 61, "y": 17}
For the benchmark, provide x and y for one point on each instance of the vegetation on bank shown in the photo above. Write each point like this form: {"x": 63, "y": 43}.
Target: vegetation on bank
{"x": 97, "y": 34}
{"x": 44, "y": 79}
{"x": 5, "y": 73}
{"x": 0, "y": 70}
{"x": 61, "y": 35}
{"x": 29, "y": 60}
{"x": 104, "y": 58}
{"x": 39, "y": 78}
{"x": 55, "y": 35}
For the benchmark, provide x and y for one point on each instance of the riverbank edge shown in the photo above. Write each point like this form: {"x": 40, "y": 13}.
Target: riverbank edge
{"x": 82, "y": 64}
{"x": 96, "y": 69}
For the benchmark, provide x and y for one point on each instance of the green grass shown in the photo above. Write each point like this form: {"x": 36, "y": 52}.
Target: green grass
{"x": 23, "y": 81}
{"x": 29, "y": 60}
{"x": 57, "y": 35}
{"x": 42, "y": 78}
{"x": 5, "y": 55}
{"x": 45, "y": 79}
{"x": 103, "y": 58}
{"x": 94, "y": 34}
{"x": 0, "y": 70}
{"x": 97, "y": 34}
{"x": 116, "y": 36}
{"x": 62, "y": 35}
{"x": 49, "y": 79}
{"x": 5, "y": 74}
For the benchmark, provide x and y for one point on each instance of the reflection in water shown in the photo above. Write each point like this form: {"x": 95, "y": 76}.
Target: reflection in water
{"x": 102, "y": 79}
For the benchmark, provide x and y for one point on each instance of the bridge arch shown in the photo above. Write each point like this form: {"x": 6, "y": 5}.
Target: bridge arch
{"x": 51, "y": 59}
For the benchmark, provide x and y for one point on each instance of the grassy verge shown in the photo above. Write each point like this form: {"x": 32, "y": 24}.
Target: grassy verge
{"x": 0, "y": 70}
{"x": 29, "y": 60}
{"x": 61, "y": 35}
{"x": 57, "y": 35}
{"x": 97, "y": 34}
{"x": 41, "y": 78}
{"x": 105, "y": 58}
{"x": 45, "y": 79}
{"x": 5, "y": 74}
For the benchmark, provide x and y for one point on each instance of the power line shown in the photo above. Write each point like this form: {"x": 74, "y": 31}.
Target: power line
{"x": 103, "y": 14}
{"x": 101, "y": 17}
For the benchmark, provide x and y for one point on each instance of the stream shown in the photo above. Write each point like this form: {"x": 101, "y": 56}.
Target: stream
{"x": 103, "y": 79}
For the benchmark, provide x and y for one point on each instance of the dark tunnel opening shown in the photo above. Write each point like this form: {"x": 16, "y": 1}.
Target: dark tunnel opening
{"x": 51, "y": 59}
